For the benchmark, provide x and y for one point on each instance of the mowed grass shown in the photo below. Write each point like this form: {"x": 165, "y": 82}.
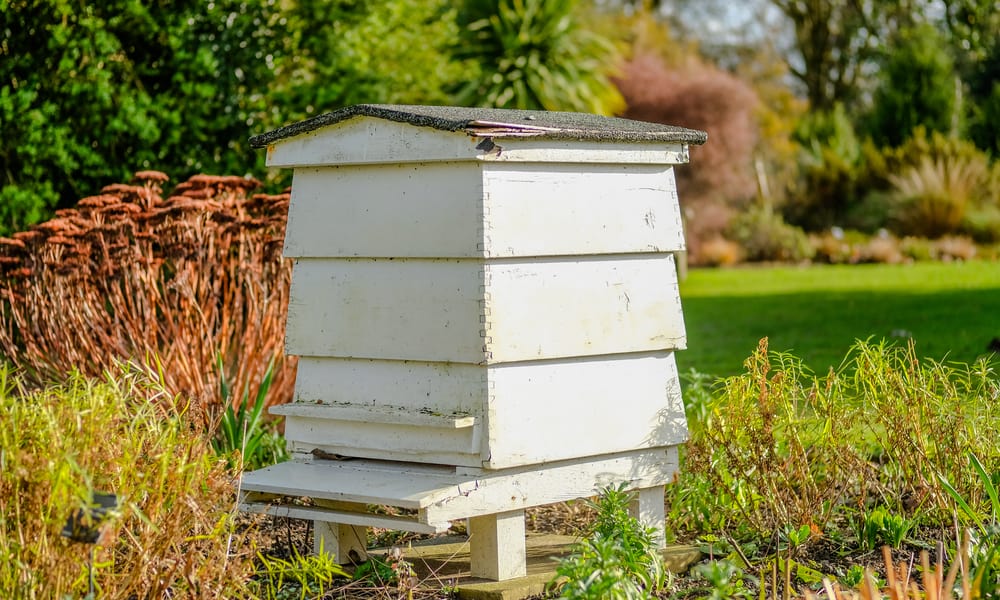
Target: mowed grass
{"x": 951, "y": 310}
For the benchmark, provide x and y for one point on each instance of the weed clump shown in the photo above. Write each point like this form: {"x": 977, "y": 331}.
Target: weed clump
{"x": 618, "y": 559}
{"x": 779, "y": 447}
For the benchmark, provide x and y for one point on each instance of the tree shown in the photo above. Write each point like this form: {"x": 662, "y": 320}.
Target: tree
{"x": 535, "y": 54}
{"x": 376, "y": 51}
{"x": 96, "y": 90}
{"x": 917, "y": 87}
{"x": 984, "y": 99}
{"x": 836, "y": 40}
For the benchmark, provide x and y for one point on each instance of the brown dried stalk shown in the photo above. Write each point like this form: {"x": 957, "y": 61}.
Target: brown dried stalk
{"x": 901, "y": 586}
{"x": 130, "y": 275}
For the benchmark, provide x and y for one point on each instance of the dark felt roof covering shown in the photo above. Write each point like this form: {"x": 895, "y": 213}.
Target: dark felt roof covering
{"x": 498, "y": 123}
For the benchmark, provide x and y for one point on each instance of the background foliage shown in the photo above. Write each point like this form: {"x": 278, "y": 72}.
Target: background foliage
{"x": 806, "y": 101}
{"x": 94, "y": 91}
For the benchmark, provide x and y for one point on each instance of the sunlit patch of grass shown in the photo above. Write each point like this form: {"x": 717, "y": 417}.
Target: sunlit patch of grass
{"x": 951, "y": 311}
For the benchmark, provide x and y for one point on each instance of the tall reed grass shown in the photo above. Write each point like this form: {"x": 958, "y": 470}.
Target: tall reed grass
{"x": 131, "y": 274}
{"x": 123, "y": 434}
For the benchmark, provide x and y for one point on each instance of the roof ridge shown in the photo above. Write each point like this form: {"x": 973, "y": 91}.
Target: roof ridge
{"x": 497, "y": 122}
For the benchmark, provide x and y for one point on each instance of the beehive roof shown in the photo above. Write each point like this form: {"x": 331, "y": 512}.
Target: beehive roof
{"x": 498, "y": 123}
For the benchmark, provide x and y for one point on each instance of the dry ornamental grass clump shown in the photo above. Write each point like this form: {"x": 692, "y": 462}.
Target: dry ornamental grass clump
{"x": 131, "y": 274}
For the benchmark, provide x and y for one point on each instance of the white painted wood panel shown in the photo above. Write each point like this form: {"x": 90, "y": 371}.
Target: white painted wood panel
{"x": 405, "y": 210}
{"x": 440, "y": 496}
{"x": 555, "y": 410}
{"x": 528, "y": 149}
{"x": 345, "y": 517}
{"x": 601, "y": 305}
{"x": 440, "y": 387}
{"x": 397, "y": 415}
{"x": 385, "y": 441}
{"x": 437, "y": 310}
{"x": 561, "y": 209}
{"x": 408, "y": 486}
{"x": 381, "y": 308}
{"x": 367, "y": 140}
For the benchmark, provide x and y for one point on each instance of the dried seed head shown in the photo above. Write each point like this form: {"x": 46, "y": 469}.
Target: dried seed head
{"x": 27, "y": 236}
{"x": 123, "y": 189}
{"x": 153, "y": 176}
{"x": 12, "y": 242}
{"x": 203, "y": 193}
{"x": 98, "y": 201}
{"x": 121, "y": 208}
{"x": 54, "y": 225}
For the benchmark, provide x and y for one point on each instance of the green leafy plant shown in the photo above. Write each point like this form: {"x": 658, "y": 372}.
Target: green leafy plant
{"x": 794, "y": 537}
{"x": 243, "y": 436}
{"x": 765, "y": 236}
{"x": 536, "y": 54}
{"x": 298, "y": 577}
{"x": 391, "y": 570}
{"x": 989, "y": 485}
{"x": 933, "y": 197}
{"x": 880, "y": 526}
{"x": 854, "y": 576}
{"x": 723, "y": 578}
{"x": 618, "y": 559}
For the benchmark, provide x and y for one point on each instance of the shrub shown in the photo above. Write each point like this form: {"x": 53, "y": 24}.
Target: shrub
{"x": 917, "y": 248}
{"x": 932, "y": 198}
{"x": 766, "y": 237}
{"x": 882, "y": 249}
{"x": 171, "y": 535}
{"x": 917, "y": 87}
{"x": 954, "y": 248}
{"x": 718, "y": 252}
{"x": 837, "y": 246}
{"x": 780, "y": 446}
{"x": 701, "y": 97}
{"x": 834, "y": 175}
{"x": 118, "y": 85}
{"x": 130, "y": 275}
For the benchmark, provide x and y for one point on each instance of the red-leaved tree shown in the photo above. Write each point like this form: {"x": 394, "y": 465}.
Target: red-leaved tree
{"x": 704, "y": 97}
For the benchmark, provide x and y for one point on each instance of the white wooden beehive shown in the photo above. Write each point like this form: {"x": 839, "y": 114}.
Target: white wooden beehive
{"x": 480, "y": 304}
{"x": 484, "y": 290}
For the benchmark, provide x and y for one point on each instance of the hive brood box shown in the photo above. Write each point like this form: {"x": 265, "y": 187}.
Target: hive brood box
{"x": 483, "y": 295}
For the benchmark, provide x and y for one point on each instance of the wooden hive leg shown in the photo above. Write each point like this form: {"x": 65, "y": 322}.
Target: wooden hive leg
{"x": 647, "y": 507}
{"x": 497, "y": 546}
{"x": 347, "y": 544}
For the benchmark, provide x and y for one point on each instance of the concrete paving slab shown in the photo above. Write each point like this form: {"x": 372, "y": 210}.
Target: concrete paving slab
{"x": 446, "y": 561}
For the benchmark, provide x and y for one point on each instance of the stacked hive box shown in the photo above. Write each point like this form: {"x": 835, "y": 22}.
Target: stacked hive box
{"x": 485, "y": 307}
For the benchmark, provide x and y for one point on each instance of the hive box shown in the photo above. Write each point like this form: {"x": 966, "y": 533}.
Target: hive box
{"x": 490, "y": 294}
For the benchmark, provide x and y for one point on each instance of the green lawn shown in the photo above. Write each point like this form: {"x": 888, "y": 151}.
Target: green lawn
{"x": 952, "y": 311}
